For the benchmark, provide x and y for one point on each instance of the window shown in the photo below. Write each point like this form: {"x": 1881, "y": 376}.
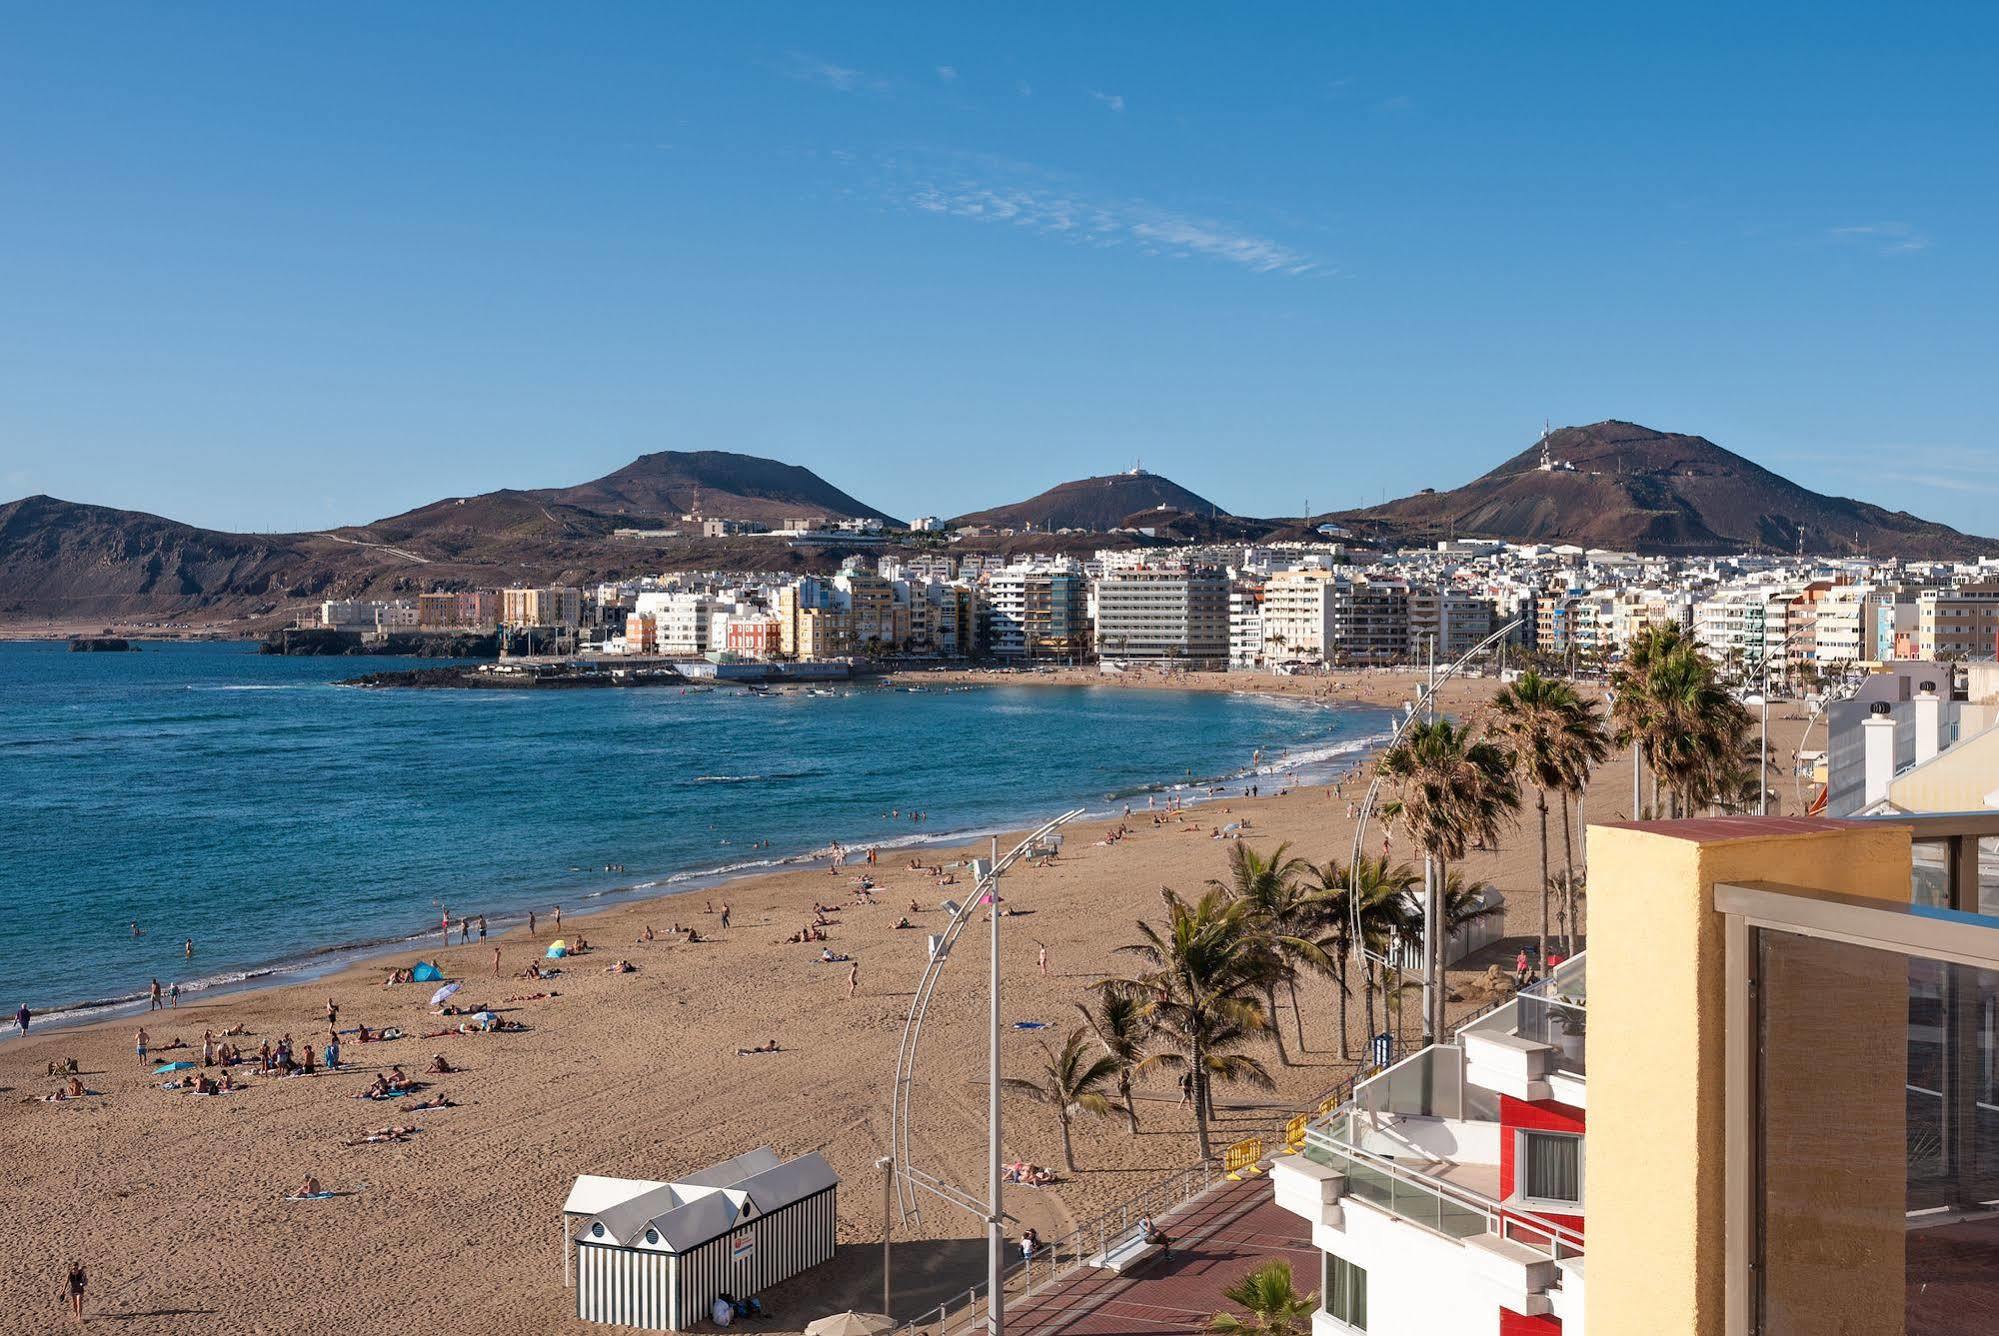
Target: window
{"x": 1551, "y": 1168}
{"x": 1345, "y": 1292}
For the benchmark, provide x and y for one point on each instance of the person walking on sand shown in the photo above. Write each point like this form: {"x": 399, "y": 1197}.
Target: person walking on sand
{"x": 558, "y": 920}
{"x": 853, "y": 978}
{"x": 332, "y": 1013}
{"x": 1041, "y": 959}
{"x": 77, "y": 1280}
{"x": 530, "y": 923}
{"x": 21, "y": 1019}
{"x": 153, "y": 1002}
{"x": 444, "y": 922}
{"x": 725, "y": 914}
{"x": 173, "y": 994}
{"x": 142, "y": 1045}
{"x": 482, "y": 927}
{"x": 496, "y": 962}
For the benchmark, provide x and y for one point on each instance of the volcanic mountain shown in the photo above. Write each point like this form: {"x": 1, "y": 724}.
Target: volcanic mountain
{"x": 1096, "y": 505}
{"x": 713, "y": 482}
{"x": 71, "y": 564}
{"x": 1629, "y": 488}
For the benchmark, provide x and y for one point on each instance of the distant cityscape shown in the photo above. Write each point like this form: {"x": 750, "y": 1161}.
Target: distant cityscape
{"x": 1283, "y": 607}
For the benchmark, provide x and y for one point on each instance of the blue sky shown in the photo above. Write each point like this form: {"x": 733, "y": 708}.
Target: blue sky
{"x": 288, "y": 267}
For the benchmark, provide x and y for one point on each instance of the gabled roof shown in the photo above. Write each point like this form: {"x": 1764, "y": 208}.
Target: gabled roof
{"x": 595, "y": 1192}
{"x": 691, "y": 1211}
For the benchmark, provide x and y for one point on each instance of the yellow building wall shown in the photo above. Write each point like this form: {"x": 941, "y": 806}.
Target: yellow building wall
{"x": 1654, "y": 1188}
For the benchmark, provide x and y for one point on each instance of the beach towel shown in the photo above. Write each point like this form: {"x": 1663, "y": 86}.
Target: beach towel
{"x": 172, "y": 1067}
{"x": 425, "y": 972}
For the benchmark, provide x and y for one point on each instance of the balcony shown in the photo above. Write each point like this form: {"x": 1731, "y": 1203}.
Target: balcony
{"x": 1534, "y": 1047}
{"x": 1419, "y": 1145}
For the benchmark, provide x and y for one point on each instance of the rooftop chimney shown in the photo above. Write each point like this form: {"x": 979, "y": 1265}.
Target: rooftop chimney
{"x": 1878, "y": 735}
{"x": 1929, "y": 723}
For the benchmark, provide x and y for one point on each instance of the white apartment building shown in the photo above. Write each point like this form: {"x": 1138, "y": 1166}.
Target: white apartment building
{"x": 1245, "y": 628}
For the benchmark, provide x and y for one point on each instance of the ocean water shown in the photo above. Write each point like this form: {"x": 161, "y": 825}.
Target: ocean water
{"x": 282, "y": 821}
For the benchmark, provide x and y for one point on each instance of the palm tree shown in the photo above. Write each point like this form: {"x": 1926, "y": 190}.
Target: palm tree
{"x": 1464, "y": 903}
{"x": 1071, "y": 1085}
{"x": 1533, "y": 711}
{"x": 1586, "y": 746}
{"x": 1364, "y": 908}
{"x": 1282, "y": 912}
{"x": 1119, "y": 1025}
{"x": 1556, "y": 738}
{"x": 1636, "y": 711}
{"x": 1201, "y": 994}
{"x": 1451, "y": 788}
{"x": 1700, "y": 729}
{"x": 1274, "y": 1306}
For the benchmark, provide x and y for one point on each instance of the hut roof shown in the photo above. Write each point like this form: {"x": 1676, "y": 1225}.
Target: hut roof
{"x": 690, "y": 1211}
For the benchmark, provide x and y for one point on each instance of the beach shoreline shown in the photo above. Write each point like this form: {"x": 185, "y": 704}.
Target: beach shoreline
{"x": 307, "y": 962}
{"x": 639, "y": 1075}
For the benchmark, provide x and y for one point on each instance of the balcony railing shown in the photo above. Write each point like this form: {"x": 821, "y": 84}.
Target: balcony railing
{"x": 1551, "y": 1011}
{"x": 1425, "y": 1200}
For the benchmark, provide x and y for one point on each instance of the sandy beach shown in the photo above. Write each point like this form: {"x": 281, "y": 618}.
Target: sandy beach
{"x": 175, "y": 1201}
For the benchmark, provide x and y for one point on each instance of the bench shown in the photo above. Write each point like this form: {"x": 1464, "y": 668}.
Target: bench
{"x": 1127, "y": 1254}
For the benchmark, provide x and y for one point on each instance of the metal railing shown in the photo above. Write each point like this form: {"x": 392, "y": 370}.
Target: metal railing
{"x": 1432, "y": 1203}
{"x": 1057, "y": 1259}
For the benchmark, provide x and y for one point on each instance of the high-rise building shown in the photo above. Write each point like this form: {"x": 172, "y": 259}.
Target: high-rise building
{"x": 1164, "y": 615}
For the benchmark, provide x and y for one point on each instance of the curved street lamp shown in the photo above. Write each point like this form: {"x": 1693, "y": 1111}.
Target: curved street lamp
{"x": 903, "y": 1178}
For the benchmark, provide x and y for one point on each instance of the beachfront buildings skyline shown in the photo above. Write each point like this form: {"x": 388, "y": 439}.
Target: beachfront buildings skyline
{"x": 1282, "y": 607}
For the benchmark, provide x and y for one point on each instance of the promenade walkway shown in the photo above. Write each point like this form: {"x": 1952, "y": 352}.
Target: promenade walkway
{"x": 1230, "y": 1231}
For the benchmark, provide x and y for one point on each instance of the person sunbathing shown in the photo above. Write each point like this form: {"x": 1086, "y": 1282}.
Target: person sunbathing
{"x": 904, "y": 922}
{"x": 770, "y": 1047}
{"x": 378, "y": 1135}
{"x": 236, "y": 1031}
{"x": 378, "y": 1089}
{"x": 533, "y": 971}
{"x": 309, "y": 1188}
{"x": 828, "y": 956}
{"x": 438, "y": 1101}
{"x": 438, "y": 1065}
{"x": 622, "y": 967}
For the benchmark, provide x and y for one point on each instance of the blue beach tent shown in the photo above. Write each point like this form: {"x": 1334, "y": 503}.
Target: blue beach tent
{"x": 425, "y": 972}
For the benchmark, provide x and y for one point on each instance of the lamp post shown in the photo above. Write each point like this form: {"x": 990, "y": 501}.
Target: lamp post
{"x": 995, "y": 1219}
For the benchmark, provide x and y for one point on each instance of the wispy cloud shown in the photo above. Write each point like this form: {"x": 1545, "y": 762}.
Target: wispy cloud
{"x": 948, "y": 73}
{"x": 1021, "y": 196}
{"x": 1115, "y": 101}
{"x": 1888, "y": 238}
{"x": 1024, "y": 88}
{"x": 1942, "y": 481}
{"x": 825, "y": 73}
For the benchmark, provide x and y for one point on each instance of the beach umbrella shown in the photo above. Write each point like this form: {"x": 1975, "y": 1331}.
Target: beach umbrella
{"x": 172, "y": 1067}
{"x": 850, "y": 1323}
{"x": 443, "y": 993}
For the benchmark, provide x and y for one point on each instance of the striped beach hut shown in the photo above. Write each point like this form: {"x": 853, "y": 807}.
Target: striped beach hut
{"x": 655, "y": 1255}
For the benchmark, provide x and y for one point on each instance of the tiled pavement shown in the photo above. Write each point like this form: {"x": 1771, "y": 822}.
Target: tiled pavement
{"x": 1231, "y": 1231}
